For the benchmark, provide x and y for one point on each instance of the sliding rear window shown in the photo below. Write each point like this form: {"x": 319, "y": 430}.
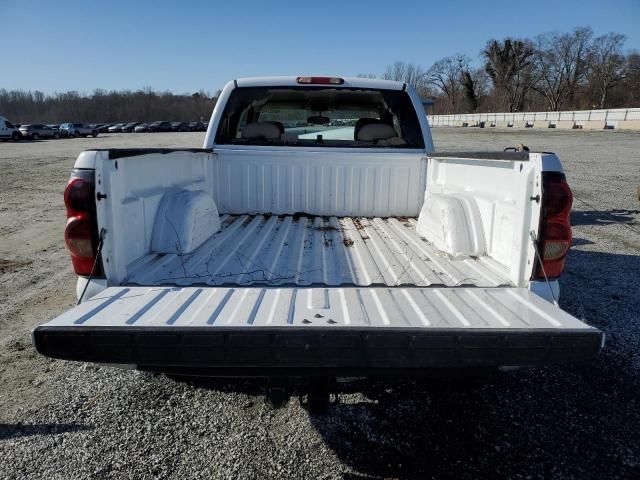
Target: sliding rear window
{"x": 320, "y": 116}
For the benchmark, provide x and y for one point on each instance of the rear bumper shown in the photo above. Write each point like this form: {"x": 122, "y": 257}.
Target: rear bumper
{"x": 283, "y": 351}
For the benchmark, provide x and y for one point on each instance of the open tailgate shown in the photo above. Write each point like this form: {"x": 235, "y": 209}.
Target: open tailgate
{"x": 256, "y": 331}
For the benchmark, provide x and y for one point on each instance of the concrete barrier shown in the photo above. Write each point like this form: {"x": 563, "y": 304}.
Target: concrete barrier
{"x": 566, "y": 124}
{"x": 593, "y": 124}
{"x": 617, "y": 118}
{"x": 628, "y": 125}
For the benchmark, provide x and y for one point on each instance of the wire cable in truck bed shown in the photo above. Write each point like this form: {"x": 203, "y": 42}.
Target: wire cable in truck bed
{"x": 95, "y": 263}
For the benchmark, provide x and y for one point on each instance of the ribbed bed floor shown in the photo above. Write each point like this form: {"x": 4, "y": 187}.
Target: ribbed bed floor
{"x": 305, "y": 250}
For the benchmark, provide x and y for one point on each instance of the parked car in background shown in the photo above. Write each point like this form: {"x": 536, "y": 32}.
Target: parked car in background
{"x": 197, "y": 127}
{"x": 77, "y": 130}
{"x": 37, "y": 131}
{"x": 63, "y": 131}
{"x": 55, "y": 127}
{"x": 179, "y": 127}
{"x": 129, "y": 127}
{"x": 8, "y": 131}
{"x": 143, "y": 127}
{"x": 103, "y": 127}
{"x": 115, "y": 128}
{"x": 159, "y": 127}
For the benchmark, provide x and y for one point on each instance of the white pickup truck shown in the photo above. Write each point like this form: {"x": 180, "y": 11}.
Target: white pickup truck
{"x": 317, "y": 234}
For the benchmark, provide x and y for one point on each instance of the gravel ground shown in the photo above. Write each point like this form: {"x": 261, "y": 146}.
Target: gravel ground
{"x": 67, "y": 420}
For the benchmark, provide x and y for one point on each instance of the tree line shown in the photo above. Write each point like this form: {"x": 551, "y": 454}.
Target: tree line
{"x": 103, "y": 106}
{"x": 553, "y": 71}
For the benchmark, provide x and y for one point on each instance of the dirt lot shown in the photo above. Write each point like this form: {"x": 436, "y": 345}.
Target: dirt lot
{"x": 67, "y": 420}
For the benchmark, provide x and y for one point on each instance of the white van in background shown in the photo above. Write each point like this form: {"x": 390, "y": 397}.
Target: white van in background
{"x": 8, "y": 131}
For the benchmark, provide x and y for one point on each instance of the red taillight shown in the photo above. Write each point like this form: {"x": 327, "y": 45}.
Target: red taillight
{"x": 555, "y": 229}
{"x": 320, "y": 80}
{"x": 78, "y": 196}
{"x": 79, "y": 240}
{"x": 81, "y": 232}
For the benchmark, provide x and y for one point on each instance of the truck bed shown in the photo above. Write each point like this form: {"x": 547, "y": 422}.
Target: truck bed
{"x": 305, "y": 250}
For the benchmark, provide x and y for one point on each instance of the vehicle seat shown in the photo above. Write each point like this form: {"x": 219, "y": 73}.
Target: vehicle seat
{"x": 262, "y": 131}
{"x": 373, "y": 132}
{"x": 361, "y": 123}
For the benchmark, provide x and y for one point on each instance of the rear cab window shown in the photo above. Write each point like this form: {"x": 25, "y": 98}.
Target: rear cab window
{"x": 320, "y": 116}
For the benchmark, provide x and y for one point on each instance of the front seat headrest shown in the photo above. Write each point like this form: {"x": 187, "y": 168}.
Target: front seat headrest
{"x": 375, "y": 131}
{"x": 262, "y": 131}
{"x": 280, "y": 125}
{"x": 361, "y": 123}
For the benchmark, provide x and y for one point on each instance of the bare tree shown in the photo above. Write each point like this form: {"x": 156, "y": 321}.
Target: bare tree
{"x": 446, "y": 74}
{"x": 103, "y": 106}
{"x": 580, "y": 48}
{"x": 475, "y": 86}
{"x": 408, "y": 73}
{"x": 632, "y": 79}
{"x": 561, "y": 64}
{"x": 606, "y": 66}
{"x": 509, "y": 64}
{"x": 395, "y": 72}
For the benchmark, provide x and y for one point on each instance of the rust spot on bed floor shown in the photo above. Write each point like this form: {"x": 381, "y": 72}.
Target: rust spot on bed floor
{"x": 358, "y": 223}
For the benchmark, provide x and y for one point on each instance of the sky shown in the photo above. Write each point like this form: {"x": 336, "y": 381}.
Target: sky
{"x": 186, "y": 46}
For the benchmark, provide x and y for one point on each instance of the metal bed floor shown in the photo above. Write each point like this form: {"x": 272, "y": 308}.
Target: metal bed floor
{"x": 313, "y": 250}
